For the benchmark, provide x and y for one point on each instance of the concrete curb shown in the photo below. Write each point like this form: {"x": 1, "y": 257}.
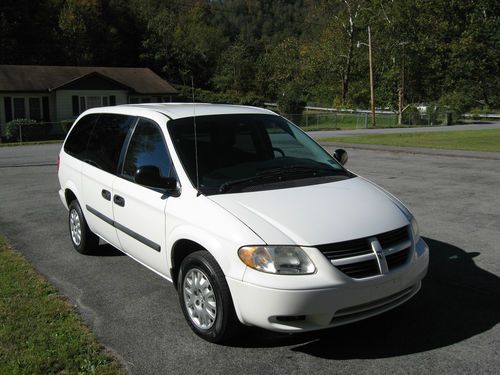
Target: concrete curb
{"x": 415, "y": 150}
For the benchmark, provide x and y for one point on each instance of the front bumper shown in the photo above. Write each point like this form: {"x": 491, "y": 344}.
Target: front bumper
{"x": 294, "y": 310}
{"x": 63, "y": 198}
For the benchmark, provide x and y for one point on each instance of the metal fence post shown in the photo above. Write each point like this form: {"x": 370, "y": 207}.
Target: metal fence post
{"x": 366, "y": 120}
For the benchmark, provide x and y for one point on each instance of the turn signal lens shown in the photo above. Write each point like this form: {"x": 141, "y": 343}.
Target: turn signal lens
{"x": 414, "y": 229}
{"x": 285, "y": 260}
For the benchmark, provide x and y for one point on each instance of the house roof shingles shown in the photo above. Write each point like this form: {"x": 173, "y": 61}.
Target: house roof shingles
{"x": 37, "y": 78}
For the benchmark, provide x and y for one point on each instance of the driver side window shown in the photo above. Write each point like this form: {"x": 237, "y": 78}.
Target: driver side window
{"x": 147, "y": 147}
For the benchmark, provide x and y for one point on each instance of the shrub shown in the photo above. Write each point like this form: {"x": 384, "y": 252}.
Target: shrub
{"x": 12, "y": 129}
{"x": 66, "y": 125}
{"x": 457, "y": 101}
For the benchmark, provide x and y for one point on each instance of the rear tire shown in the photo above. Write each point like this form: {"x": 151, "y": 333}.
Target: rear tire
{"x": 205, "y": 298}
{"x": 82, "y": 238}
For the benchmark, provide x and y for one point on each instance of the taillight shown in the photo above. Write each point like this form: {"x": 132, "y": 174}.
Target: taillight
{"x": 58, "y": 162}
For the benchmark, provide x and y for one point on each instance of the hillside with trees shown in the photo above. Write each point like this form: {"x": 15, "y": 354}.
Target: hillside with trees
{"x": 292, "y": 52}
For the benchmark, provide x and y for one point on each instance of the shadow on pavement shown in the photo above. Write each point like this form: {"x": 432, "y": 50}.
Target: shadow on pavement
{"x": 106, "y": 250}
{"x": 458, "y": 300}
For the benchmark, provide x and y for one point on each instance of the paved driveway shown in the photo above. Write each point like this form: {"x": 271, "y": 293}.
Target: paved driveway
{"x": 450, "y": 327}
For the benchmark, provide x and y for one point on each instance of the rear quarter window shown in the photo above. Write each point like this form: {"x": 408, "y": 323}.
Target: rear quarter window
{"x": 78, "y": 138}
{"x": 98, "y": 139}
{"x": 106, "y": 141}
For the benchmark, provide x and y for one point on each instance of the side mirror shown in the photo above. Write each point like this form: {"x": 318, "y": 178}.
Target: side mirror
{"x": 149, "y": 175}
{"x": 341, "y": 156}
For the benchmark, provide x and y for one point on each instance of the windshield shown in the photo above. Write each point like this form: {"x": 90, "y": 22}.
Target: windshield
{"x": 245, "y": 152}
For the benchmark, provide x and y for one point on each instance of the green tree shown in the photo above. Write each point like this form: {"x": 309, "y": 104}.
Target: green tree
{"x": 282, "y": 77}
{"x": 27, "y": 32}
{"x": 236, "y": 69}
{"x": 184, "y": 44}
{"x": 78, "y": 23}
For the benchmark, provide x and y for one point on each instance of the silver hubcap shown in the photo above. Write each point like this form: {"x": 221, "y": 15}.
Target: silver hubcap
{"x": 199, "y": 298}
{"x": 75, "y": 227}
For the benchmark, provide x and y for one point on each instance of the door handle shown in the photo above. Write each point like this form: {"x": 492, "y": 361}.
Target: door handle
{"x": 106, "y": 194}
{"x": 120, "y": 201}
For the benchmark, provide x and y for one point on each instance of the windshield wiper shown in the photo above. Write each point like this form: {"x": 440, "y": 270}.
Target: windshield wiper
{"x": 270, "y": 175}
{"x": 301, "y": 168}
{"x": 257, "y": 178}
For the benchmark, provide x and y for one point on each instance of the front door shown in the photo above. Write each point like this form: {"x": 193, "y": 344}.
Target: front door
{"x": 139, "y": 211}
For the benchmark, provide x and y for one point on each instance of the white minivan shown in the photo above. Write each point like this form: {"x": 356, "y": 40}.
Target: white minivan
{"x": 252, "y": 220}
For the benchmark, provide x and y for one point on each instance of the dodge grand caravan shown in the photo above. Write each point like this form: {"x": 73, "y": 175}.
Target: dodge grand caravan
{"x": 252, "y": 221}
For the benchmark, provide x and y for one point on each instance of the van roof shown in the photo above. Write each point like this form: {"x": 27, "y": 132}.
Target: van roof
{"x": 180, "y": 110}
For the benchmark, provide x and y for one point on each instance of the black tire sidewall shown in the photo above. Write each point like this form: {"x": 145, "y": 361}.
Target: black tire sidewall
{"x": 86, "y": 242}
{"x": 219, "y": 331}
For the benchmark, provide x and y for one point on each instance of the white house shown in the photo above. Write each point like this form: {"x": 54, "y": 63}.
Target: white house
{"x": 56, "y": 93}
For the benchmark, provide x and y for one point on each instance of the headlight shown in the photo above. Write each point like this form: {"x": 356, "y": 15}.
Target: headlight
{"x": 285, "y": 260}
{"x": 414, "y": 228}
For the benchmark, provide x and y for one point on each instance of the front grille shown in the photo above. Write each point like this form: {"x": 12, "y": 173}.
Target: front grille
{"x": 358, "y": 260}
{"x": 346, "y": 249}
{"x": 393, "y": 237}
{"x": 397, "y": 259}
{"x": 360, "y": 269}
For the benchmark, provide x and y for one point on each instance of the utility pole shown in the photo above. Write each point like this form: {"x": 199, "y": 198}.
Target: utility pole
{"x": 402, "y": 87}
{"x": 372, "y": 92}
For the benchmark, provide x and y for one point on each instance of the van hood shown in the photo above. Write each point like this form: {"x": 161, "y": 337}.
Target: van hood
{"x": 316, "y": 214}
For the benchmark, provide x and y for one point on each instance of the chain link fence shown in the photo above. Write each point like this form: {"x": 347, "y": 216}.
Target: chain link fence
{"x": 362, "y": 120}
{"x": 340, "y": 120}
{"x": 23, "y": 130}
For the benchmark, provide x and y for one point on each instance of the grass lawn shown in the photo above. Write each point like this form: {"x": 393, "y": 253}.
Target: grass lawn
{"x": 40, "y": 333}
{"x": 469, "y": 140}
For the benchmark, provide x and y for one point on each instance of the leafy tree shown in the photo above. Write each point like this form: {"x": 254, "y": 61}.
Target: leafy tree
{"x": 236, "y": 69}
{"x": 282, "y": 77}
{"x": 79, "y": 22}
{"x": 291, "y": 50}
{"x": 27, "y": 35}
{"x": 185, "y": 44}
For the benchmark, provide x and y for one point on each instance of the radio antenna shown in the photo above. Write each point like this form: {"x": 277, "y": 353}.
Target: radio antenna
{"x": 195, "y": 140}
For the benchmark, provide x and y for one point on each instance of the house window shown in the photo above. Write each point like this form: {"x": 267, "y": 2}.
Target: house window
{"x": 134, "y": 100}
{"x": 82, "y": 103}
{"x": 35, "y": 109}
{"x": 19, "y": 108}
{"x": 146, "y": 100}
{"x": 94, "y": 101}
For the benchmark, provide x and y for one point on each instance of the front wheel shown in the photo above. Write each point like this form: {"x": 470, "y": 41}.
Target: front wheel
{"x": 205, "y": 298}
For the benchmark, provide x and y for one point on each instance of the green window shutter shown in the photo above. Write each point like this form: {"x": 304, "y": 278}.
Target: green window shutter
{"x": 76, "y": 109}
{"x": 7, "y": 101}
{"x": 46, "y": 108}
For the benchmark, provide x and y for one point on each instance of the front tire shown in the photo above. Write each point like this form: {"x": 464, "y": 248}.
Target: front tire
{"x": 82, "y": 238}
{"x": 205, "y": 298}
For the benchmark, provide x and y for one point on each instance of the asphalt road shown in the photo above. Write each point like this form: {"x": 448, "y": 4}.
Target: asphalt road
{"x": 451, "y": 326}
